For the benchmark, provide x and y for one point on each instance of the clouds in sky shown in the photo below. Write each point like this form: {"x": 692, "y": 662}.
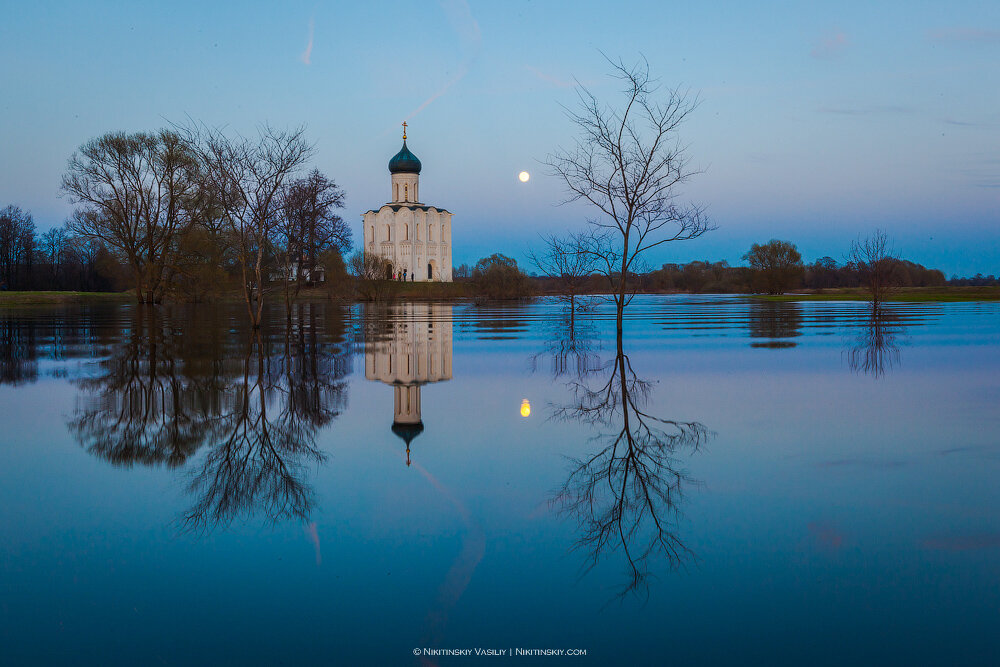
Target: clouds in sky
{"x": 830, "y": 45}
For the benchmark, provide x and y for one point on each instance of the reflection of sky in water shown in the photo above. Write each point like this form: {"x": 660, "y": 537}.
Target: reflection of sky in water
{"x": 835, "y": 514}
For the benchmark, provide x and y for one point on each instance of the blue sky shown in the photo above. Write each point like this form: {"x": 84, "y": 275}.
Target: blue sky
{"x": 818, "y": 121}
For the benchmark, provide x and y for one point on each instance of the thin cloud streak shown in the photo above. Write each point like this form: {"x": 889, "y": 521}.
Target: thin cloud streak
{"x": 306, "y": 56}
{"x": 548, "y": 78}
{"x": 460, "y": 16}
{"x": 862, "y": 111}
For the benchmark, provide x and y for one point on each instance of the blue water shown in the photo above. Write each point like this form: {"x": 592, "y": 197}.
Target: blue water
{"x": 804, "y": 484}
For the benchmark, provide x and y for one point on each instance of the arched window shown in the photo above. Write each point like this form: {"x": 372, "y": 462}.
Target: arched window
{"x": 418, "y": 231}
{"x": 406, "y": 192}
{"x": 372, "y": 237}
{"x": 430, "y": 232}
{"x": 406, "y": 232}
{"x": 388, "y": 233}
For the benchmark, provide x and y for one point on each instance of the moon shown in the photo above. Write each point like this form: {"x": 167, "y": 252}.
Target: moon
{"x": 523, "y": 176}
{"x": 525, "y": 408}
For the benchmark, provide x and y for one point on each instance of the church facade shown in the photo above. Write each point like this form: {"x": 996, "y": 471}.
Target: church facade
{"x": 414, "y": 237}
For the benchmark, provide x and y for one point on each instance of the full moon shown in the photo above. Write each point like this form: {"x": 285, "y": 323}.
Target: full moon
{"x": 524, "y": 176}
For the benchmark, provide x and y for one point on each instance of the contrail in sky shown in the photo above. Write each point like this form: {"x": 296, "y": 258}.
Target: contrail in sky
{"x": 306, "y": 56}
{"x": 460, "y": 17}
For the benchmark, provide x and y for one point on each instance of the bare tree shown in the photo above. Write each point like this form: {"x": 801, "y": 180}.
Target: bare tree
{"x": 876, "y": 262}
{"x": 627, "y": 163}
{"x": 248, "y": 175}
{"x": 569, "y": 261}
{"x": 309, "y": 228}
{"x": 138, "y": 193}
{"x": 17, "y": 243}
{"x": 372, "y": 275}
{"x": 54, "y": 246}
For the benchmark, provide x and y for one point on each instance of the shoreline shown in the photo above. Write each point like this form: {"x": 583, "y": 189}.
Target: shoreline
{"x": 464, "y": 292}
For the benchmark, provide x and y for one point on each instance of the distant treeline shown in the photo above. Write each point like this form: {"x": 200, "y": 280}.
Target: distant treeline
{"x": 824, "y": 273}
{"x": 58, "y": 259}
{"x": 721, "y": 278}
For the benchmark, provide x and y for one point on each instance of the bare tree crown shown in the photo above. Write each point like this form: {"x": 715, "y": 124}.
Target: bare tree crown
{"x": 627, "y": 162}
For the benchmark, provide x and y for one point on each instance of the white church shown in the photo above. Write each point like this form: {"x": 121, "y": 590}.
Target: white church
{"x": 415, "y": 237}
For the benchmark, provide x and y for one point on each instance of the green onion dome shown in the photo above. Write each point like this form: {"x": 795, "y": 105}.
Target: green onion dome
{"x": 404, "y": 162}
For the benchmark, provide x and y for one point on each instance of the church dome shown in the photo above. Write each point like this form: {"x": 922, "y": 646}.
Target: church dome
{"x": 404, "y": 162}
{"x": 407, "y": 431}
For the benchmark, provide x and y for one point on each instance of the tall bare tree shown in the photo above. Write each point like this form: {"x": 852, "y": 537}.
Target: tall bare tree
{"x": 876, "y": 263}
{"x": 17, "y": 244}
{"x": 137, "y": 193}
{"x": 248, "y": 175}
{"x": 628, "y": 162}
{"x": 54, "y": 247}
{"x": 309, "y": 228}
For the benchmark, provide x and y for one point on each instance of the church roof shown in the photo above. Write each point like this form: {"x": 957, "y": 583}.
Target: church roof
{"x": 421, "y": 207}
{"x": 404, "y": 162}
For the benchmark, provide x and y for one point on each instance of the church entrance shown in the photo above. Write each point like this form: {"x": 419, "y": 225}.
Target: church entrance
{"x": 430, "y": 270}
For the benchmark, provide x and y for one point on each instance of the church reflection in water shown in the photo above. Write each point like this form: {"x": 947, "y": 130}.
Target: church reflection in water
{"x": 408, "y": 346}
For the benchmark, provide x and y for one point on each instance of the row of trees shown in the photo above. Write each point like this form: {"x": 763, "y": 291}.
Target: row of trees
{"x": 180, "y": 212}
{"x": 58, "y": 259}
{"x": 188, "y": 207}
{"x": 570, "y": 268}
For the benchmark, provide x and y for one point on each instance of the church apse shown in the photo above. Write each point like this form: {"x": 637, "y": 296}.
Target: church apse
{"x": 411, "y": 346}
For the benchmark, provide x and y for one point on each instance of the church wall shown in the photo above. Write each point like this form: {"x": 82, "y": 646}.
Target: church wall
{"x": 411, "y": 239}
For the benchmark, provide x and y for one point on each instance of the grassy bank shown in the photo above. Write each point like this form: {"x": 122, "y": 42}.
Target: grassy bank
{"x": 911, "y": 294}
{"x": 465, "y": 290}
{"x": 62, "y": 298}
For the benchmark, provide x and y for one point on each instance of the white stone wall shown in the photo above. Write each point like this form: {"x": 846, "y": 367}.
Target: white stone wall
{"x": 405, "y": 188}
{"x": 412, "y": 239}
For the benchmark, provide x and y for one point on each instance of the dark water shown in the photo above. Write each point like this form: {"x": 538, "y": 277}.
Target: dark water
{"x": 745, "y": 483}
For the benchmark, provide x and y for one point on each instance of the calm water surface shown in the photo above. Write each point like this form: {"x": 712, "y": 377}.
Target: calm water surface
{"x": 741, "y": 483}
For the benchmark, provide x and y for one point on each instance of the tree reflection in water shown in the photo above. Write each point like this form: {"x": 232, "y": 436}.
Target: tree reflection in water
{"x": 626, "y": 493}
{"x": 253, "y": 408}
{"x": 874, "y": 350}
{"x": 258, "y": 466}
{"x": 151, "y": 403}
{"x": 571, "y": 347}
{"x": 778, "y": 322}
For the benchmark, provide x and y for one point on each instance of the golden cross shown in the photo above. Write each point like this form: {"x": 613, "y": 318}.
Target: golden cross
{"x": 404, "y": 130}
